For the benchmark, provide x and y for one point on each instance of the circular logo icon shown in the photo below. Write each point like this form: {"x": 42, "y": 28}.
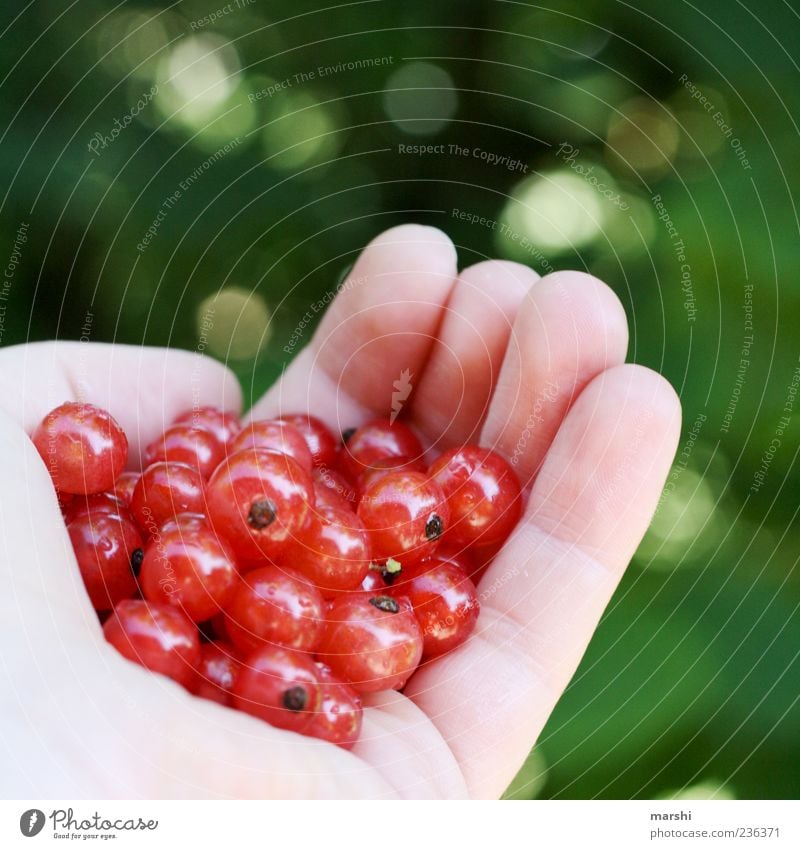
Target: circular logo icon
{"x": 31, "y": 822}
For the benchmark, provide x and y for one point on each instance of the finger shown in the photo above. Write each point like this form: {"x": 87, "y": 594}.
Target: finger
{"x": 544, "y": 594}
{"x": 569, "y": 329}
{"x": 452, "y": 395}
{"x": 382, "y": 323}
{"x": 143, "y": 388}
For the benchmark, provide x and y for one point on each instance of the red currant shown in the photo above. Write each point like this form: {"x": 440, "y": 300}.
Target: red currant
{"x": 164, "y": 490}
{"x": 99, "y": 502}
{"x": 320, "y": 441}
{"x": 259, "y": 500}
{"x": 380, "y": 468}
{"x": 483, "y": 494}
{"x": 156, "y": 636}
{"x": 193, "y": 446}
{"x": 272, "y": 605}
{"x": 340, "y": 715}
{"x": 375, "y": 441}
{"x": 108, "y": 548}
{"x": 445, "y": 603}
{"x": 333, "y": 551}
{"x": 274, "y": 435}
{"x": 215, "y": 673}
{"x": 124, "y": 486}
{"x": 374, "y": 642}
{"x": 406, "y": 515}
{"x": 224, "y": 424}
{"x": 332, "y": 489}
{"x": 191, "y": 569}
{"x": 280, "y": 686}
{"x": 83, "y": 446}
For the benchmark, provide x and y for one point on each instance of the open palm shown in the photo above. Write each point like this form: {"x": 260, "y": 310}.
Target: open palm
{"x": 531, "y": 367}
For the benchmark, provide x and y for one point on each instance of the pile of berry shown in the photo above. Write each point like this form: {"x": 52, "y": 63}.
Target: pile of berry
{"x": 274, "y": 567}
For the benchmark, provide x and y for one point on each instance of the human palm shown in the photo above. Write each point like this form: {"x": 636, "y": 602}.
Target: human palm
{"x": 533, "y": 368}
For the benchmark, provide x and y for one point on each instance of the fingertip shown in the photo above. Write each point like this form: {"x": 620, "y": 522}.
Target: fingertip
{"x": 418, "y": 244}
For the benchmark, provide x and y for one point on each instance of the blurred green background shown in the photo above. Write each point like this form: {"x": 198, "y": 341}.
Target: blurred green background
{"x": 160, "y": 160}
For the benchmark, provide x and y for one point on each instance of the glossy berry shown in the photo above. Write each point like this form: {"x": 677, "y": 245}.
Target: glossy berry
{"x": 406, "y": 516}
{"x": 483, "y": 494}
{"x": 375, "y": 441}
{"x": 108, "y": 548}
{"x": 339, "y": 717}
{"x": 215, "y": 673}
{"x": 280, "y": 686}
{"x": 165, "y": 490}
{"x": 83, "y": 447}
{"x": 445, "y": 603}
{"x": 182, "y": 443}
{"x": 373, "y": 642}
{"x": 332, "y": 489}
{"x": 190, "y": 568}
{"x": 274, "y": 435}
{"x": 124, "y": 486}
{"x": 373, "y": 582}
{"x": 156, "y": 636}
{"x": 99, "y": 502}
{"x": 333, "y": 551}
{"x": 224, "y": 424}
{"x": 259, "y": 500}
{"x": 320, "y": 441}
{"x": 273, "y": 605}
{"x": 380, "y": 468}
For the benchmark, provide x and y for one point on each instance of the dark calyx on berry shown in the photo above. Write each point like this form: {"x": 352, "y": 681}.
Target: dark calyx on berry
{"x": 295, "y": 698}
{"x": 385, "y": 603}
{"x": 262, "y": 514}
{"x": 346, "y": 434}
{"x": 137, "y": 556}
{"x": 434, "y": 527}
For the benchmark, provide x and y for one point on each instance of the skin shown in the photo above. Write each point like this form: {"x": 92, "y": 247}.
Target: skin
{"x": 531, "y": 367}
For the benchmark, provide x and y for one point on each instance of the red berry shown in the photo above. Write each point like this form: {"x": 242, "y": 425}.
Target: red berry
{"x": 274, "y": 435}
{"x": 156, "y": 636}
{"x": 280, "y": 686}
{"x": 373, "y": 582}
{"x": 375, "y": 441}
{"x": 380, "y": 468}
{"x": 339, "y": 718}
{"x": 187, "y": 522}
{"x": 374, "y": 642}
{"x": 224, "y": 424}
{"x": 165, "y": 490}
{"x": 193, "y": 446}
{"x": 483, "y": 494}
{"x": 191, "y": 569}
{"x": 272, "y": 605}
{"x": 124, "y": 486}
{"x": 99, "y": 502}
{"x": 260, "y": 500}
{"x": 108, "y": 548}
{"x": 215, "y": 673}
{"x": 332, "y": 489}
{"x": 83, "y": 446}
{"x": 333, "y": 551}
{"x": 445, "y": 603}
{"x": 406, "y": 515}
{"x": 320, "y": 441}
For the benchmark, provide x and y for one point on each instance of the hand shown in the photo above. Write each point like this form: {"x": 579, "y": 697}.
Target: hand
{"x": 531, "y": 367}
